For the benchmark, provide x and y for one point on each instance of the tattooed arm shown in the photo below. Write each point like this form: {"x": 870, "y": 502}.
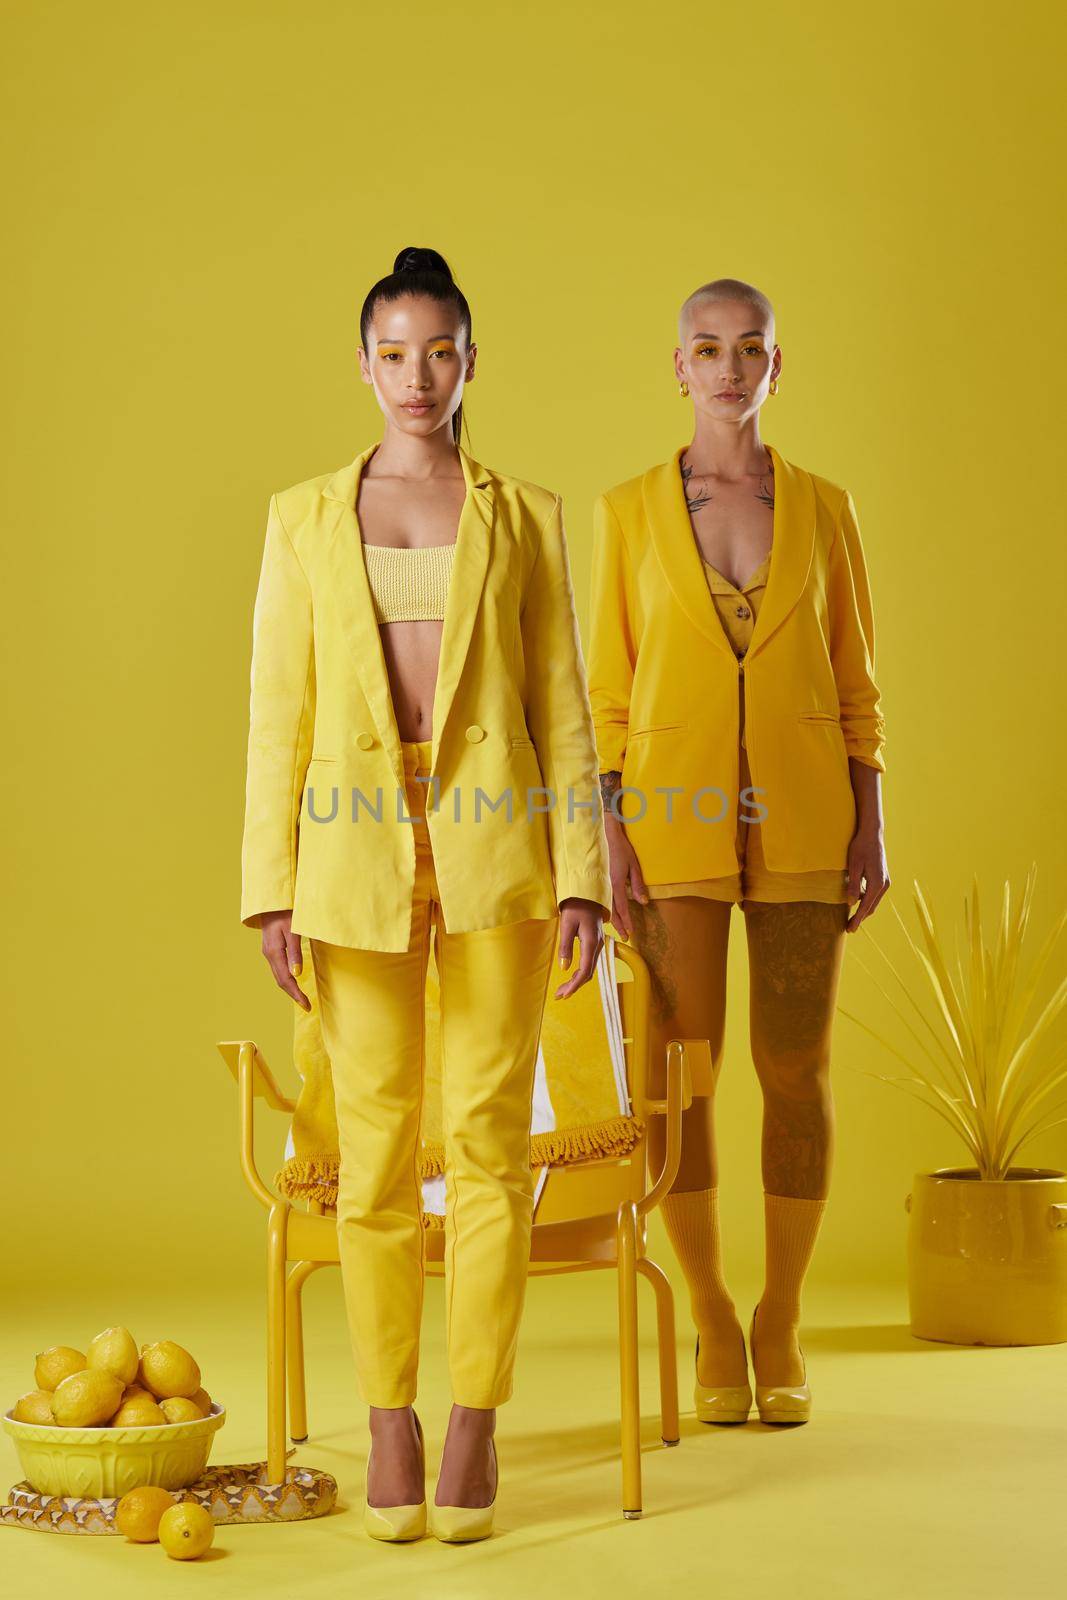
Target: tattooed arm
{"x": 612, "y": 659}
{"x": 627, "y": 879}
{"x": 610, "y": 784}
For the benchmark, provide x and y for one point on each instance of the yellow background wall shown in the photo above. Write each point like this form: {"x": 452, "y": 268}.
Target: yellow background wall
{"x": 198, "y": 199}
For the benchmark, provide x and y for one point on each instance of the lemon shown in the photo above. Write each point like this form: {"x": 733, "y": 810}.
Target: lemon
{"x": 138, "y": 1512}
{"x": 114, "y": 1351}
{"x": 203, "y": 1400}
{"x": 169, "y": 1370}
{"x": 87, "y": 1399}
{"x": 140, "y": 1412}
{"x": 134, "y": 1390}
{"x": 178, "y": 1409}
{"x": 55, "y": 1364}
{"x": 36, "y": 1406}
{"x": 186, "y": 1530}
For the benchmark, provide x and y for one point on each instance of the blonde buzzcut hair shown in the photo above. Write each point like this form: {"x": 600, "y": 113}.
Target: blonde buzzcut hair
{"x": 727, "y": 289}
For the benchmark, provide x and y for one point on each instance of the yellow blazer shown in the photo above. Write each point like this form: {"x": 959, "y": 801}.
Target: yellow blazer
{"x": 664, "y": 679}
{"x": 510, "y": 716}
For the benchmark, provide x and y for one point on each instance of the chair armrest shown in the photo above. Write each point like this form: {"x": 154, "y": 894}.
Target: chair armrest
{"x": 690, "y": 1074}
{"x": 254, "y": 1079}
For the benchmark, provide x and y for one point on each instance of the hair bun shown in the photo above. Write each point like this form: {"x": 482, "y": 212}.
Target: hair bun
{"x": 417, "y": 259}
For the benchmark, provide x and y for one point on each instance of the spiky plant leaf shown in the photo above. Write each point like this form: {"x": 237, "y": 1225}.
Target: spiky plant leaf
{"x": 995, "y": 1068}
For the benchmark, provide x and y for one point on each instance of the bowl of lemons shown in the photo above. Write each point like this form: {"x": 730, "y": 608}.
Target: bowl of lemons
{"x": 113, "y": 1418}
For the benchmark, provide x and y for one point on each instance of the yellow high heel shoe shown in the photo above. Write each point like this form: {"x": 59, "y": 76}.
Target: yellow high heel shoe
{"x": 396, "y": 1523}
{"x": 778, "y": 1402}
{"x": 462, "y": 1524}
{"x": 722, "y": 1402}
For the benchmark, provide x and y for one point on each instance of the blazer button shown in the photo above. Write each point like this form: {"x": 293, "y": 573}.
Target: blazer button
{"x": 365, "y": 741}
{"x": 474, "y": 733}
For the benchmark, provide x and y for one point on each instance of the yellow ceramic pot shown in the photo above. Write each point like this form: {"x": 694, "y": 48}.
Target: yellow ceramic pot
{"x": 96, "y": 1462}
{"x": 987, "y": 1262}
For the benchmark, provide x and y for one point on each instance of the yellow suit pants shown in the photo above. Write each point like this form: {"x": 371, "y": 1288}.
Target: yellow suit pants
{"x": 493, "y": 987}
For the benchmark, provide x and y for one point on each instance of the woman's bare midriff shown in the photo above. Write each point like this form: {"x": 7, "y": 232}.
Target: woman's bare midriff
{"x": 412, "y": 651}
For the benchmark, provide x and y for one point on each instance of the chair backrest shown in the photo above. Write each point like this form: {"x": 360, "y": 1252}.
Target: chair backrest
{"x": 263, "y": 1082}
{"x": 596, "y": 1187}
{"x": 583, "y": 1167}
{"x": 635, "y": 990}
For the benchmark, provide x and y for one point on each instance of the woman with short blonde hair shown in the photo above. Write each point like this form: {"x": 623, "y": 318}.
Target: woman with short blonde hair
{"x": 740, "y": 735}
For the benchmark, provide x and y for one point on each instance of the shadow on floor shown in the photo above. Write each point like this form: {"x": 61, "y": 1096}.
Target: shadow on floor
{"x": 886, "y": 1338}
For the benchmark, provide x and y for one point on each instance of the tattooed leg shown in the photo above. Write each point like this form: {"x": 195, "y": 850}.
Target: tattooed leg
{"x": 684, "y": 942}
{"x": 795, "y": 952}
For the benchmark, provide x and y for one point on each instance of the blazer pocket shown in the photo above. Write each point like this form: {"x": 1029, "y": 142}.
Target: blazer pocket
{"x": 659, "y": 727}
{"x": 520, "y": 741}
{"x": 818, "y": 716}
{"x": 323, "y": 760}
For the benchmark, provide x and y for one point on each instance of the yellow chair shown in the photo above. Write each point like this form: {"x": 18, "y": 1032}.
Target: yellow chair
{"x": 590, "y": 1215}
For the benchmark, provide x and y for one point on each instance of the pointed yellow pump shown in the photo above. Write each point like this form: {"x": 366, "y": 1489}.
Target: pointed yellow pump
{"x": 463, "y": 1524}
{"x": 396, "y": 1524}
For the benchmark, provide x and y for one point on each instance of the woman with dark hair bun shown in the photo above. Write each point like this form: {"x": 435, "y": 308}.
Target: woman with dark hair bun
{"x": 415, "y": 626}
{"x": 419, "y": 271}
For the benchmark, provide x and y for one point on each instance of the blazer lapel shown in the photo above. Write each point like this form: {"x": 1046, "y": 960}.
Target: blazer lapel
{"x": 677, "y": 549}
{"x": 791, "y": 549}
{"x": 672, "y": 535}
{"x": 356, "y": 604}
{"x": 469, "y": 566}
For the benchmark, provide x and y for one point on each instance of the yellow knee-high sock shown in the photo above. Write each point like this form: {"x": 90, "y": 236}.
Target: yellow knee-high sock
{"x": 692, "y": 1222}
{"x": 792, "y": 1226}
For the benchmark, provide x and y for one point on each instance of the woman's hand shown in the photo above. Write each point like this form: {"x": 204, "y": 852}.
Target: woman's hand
{"x": 627, "y": 879}
{"x": 281, "y": 947}
{"x": 866, "y": 853}
{"x": 866, "y": 862}
{"x": 586, "y": 919}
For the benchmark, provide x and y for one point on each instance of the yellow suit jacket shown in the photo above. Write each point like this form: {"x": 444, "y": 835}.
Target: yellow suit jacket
{"x": 664, "y": 679}
{"x": 511, "y": 717}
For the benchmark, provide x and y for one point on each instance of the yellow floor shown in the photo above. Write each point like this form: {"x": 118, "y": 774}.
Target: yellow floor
{"x": 926, "y": 1470}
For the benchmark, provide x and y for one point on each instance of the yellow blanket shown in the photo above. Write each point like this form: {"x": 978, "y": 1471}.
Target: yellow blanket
{"x": 580, "y": 1106}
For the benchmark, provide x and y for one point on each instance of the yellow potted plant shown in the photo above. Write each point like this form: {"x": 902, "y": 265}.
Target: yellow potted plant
{"x": 987, "y": 1243}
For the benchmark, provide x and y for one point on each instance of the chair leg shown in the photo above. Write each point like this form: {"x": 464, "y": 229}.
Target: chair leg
{"x": 276, "y": 1230}
{"x": 294, "y": 1349}
{"x": 668, "y": 1352}
{"x": 628, "y": 1365}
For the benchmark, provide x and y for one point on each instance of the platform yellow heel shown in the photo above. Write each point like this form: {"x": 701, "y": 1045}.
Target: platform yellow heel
{"x": 722, "y": 1402}
{"x": 778, "y": 1402}
{"x": 397, "y": 1524}
{"x": 462, "y": 1524}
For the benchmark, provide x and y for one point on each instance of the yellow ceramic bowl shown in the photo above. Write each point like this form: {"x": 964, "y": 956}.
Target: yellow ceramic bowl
{"x": 93, "y": 1463}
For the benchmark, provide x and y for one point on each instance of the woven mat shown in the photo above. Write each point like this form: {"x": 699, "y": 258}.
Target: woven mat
{"x": 232, "y": 1493}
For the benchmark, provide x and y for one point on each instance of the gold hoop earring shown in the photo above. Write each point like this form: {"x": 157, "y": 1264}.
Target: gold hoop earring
{"x": 683, "y": 388}
{"x": 774, "y": 386}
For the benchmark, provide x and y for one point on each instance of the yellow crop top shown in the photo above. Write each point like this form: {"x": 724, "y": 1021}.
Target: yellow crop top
{"x": 409, "y": 585}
